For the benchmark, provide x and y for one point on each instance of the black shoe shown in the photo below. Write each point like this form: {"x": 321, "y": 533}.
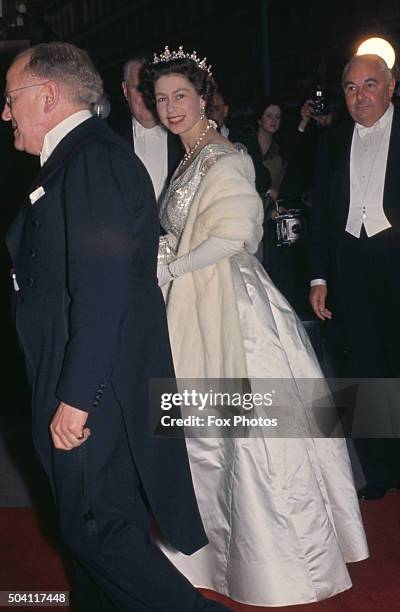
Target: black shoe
{"x": 371, "y": 492}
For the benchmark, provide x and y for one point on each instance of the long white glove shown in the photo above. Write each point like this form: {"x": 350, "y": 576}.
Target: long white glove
{"x": 208, "y": 252}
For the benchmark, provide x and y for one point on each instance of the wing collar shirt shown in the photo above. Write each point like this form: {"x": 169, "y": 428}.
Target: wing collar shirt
{"x": 151, "y": 147}
{"x": 369, "y": 152}
{"x": 55, "y": 135}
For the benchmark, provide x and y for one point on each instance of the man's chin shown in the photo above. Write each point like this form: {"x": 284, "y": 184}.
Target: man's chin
{"x": 18, "y": 146}
{"x": 18, "y": 141}
{"x": 365, "y": 117}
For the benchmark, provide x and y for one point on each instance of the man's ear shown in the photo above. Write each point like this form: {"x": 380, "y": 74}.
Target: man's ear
{"x": 392, "y": 86}
{"x": 52, "y": 96}
{"x": 125, "y": 89}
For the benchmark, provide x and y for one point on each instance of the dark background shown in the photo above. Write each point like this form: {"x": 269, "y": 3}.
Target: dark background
{"x": 256, "y": 47}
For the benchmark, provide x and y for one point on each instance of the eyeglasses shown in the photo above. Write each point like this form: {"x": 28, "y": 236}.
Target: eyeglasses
{"x": 8, "y": 100}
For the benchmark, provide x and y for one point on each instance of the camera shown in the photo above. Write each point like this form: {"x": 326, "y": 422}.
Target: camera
{"x": 319, "y": 104}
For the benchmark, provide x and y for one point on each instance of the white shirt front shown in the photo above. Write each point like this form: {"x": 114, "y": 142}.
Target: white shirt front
{"x": 54, "y": 136}
{"x": 151, "y": 146}
{"x": 368, "y": 159}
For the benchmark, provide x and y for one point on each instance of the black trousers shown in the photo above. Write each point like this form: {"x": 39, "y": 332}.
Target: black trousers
{"x": 369, "y": 302}
{"x": 104, "y": 521}
{"x": 369, "y": 305}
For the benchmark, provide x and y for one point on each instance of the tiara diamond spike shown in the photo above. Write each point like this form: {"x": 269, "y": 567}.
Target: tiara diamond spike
{"x": 168, "y": 56}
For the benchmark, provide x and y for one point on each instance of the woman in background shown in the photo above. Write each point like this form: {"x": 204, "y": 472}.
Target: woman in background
{"x": 269, "y": 123}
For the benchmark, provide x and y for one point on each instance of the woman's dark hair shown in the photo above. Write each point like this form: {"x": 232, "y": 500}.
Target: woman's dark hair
{"x": 270, "y": 101}
{"x": 186, "y": 67}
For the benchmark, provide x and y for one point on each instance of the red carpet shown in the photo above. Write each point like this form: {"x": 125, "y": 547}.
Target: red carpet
{"x": 29, "y": 562}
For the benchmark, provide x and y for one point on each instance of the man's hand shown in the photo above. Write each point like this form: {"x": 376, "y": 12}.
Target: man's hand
{"x": 307, "y": 110}
{"x": 306, "y": 113}
{"x": 275, "y": 213}
{"x": 318, "y": 295}
{"x": 67, "y": 427}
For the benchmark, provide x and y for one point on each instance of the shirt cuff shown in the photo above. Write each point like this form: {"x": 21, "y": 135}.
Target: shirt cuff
{"x": 317, "y": 281}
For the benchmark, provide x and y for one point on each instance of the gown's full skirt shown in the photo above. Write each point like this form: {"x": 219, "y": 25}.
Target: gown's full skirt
{"x": 281, "y": 514}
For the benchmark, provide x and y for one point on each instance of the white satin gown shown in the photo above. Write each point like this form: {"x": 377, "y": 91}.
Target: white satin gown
{"x": 281, "y": 514}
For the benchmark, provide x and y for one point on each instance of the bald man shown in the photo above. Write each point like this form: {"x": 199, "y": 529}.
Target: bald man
{"x": 355, "y": 244}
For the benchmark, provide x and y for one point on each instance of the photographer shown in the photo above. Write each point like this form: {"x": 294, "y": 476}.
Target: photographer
{"x": 287, "y": 264}
{"x": 308, "y": 112}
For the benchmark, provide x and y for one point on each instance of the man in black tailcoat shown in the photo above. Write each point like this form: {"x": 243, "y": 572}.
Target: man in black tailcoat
{"x": 355, "y": 248}
{"x": 158, "y": 149}
{"x": 90, "y": 318}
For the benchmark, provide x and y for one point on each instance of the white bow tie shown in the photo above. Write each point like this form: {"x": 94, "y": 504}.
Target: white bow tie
{"x": 363, "y": 131}
{"x": 139, "y": 129}
{"x": 367, "y": 131}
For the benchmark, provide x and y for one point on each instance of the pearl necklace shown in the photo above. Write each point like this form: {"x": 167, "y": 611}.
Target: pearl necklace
{"x": 189, "y": 154}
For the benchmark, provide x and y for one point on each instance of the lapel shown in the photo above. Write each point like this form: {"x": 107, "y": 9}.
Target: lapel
{"x": 63, "y": 151}
{"x": 128, "y": 134}
{"x": 391, "y": 192}
{"x": 341, "y": 171}
{"x": 175, "y": 153}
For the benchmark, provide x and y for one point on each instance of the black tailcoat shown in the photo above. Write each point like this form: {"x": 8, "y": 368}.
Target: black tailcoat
{"x": 362, "y": 274}
{"x": 90, "y": 315}
{"x": 332, "y": 198}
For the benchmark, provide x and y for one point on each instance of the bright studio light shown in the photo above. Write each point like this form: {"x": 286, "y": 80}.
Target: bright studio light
{"x": 380, "y": 47}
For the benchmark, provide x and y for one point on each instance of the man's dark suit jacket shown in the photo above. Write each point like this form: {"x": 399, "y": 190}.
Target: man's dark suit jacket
{"x": 90, "y": 313}
{"x": 331, "y": 200}
{"x": 369, "y": 317}
{"x": 174, "y": 145}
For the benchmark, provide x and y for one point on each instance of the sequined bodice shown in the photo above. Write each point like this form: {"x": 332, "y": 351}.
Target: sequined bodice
{"x": 179, "y": 196}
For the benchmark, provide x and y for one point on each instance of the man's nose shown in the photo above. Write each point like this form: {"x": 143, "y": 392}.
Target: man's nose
{"x": 6, "y": 114}
{"x": 360, "y": 94}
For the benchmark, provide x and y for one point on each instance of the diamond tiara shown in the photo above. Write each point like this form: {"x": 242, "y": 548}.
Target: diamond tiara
{"x": 168, "y": 56}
